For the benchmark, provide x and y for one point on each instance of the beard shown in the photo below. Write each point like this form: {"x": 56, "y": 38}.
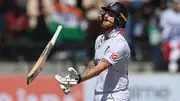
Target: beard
{"x": 106, "y": 24}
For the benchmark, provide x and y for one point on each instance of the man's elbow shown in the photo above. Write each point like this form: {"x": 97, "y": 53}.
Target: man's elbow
{"x": 97, "y": 74}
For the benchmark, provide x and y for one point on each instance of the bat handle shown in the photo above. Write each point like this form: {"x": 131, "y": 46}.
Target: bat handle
{"x": 53, "y": 40}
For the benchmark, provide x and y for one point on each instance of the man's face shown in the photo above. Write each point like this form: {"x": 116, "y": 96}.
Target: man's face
{"x": 108, "y": 21}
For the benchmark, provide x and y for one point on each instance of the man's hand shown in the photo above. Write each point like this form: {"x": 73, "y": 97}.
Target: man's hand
{"x": 65, "y": 89}
{"x": 70, "y": 80}
{"x": 66, "y": 81}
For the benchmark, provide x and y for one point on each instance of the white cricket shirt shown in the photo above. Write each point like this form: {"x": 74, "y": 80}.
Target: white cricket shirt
{"x": 116, "y": 50}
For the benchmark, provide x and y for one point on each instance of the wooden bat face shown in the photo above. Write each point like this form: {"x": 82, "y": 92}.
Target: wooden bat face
{"x": 39, "y": 64}
{"x": 34, "y": 75}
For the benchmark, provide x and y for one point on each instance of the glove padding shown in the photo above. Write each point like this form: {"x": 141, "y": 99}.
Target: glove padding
{"x": 65, "y": 89}
{"x": 68, "y": 81}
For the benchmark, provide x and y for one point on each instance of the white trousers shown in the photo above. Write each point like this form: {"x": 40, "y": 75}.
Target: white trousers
{"x": 115, "y": 96}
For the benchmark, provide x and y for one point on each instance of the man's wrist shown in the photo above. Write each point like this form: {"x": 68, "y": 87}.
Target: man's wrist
{"x": 79, "y": 78}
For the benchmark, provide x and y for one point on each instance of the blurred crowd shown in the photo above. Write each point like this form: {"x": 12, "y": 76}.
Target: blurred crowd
{"x": 152, "y": 30}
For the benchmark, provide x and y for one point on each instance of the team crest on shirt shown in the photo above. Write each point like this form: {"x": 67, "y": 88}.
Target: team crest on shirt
{"x": 114, "y": 57}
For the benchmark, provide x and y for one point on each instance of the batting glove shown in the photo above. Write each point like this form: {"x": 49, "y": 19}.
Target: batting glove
{"x": 69, "y": 81}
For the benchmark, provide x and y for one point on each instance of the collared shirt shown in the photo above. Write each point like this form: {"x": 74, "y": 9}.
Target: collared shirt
{"x": 116, "y": 50}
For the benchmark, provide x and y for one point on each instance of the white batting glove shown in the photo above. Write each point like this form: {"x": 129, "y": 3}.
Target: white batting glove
{"x": 71, "y": 80}
{"x": 65, "y": 89}
{"x": 73, "y": 73}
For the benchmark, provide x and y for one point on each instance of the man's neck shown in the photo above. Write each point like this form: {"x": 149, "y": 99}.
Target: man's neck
{"x": 107, "y": 33}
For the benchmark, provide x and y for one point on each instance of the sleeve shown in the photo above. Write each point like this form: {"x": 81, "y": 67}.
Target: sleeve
{"x": 116, "y": 52}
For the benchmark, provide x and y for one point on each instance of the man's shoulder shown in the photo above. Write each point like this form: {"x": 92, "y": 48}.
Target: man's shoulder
{"x": 120, "y": 38}
{"x": 119, "y": 41}
{"x": 99, "y": 37}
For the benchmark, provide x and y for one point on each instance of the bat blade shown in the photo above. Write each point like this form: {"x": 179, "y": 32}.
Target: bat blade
{"x": 37, "y": 68}
{"x": 39, "y": 64}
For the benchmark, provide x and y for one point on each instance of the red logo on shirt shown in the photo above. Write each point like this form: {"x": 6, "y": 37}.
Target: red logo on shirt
{"x": 114, "y": 56}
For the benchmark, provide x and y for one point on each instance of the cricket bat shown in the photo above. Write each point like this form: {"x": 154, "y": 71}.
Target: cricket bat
{"x": 43, "y": 57}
